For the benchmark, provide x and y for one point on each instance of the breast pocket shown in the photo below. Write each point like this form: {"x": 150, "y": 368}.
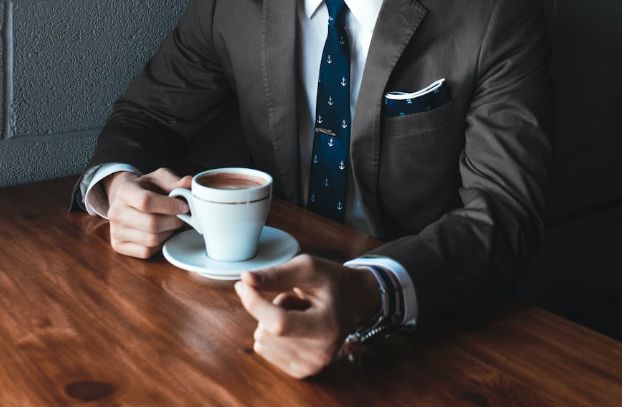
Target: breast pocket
{"x": 419, "y": 122}
{"x": 419, "y": 167}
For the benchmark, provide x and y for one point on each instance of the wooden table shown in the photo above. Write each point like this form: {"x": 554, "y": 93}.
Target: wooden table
{"x": 83, "y": 326}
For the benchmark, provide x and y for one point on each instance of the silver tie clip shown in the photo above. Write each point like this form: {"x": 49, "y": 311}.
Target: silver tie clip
{"x": 325, "y": 131}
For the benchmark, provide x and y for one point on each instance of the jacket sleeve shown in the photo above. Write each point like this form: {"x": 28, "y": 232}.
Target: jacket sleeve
{"x": 483, "y": 247}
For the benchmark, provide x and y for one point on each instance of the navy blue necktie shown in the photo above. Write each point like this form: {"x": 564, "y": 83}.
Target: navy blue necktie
{"x": 328, "y": 175}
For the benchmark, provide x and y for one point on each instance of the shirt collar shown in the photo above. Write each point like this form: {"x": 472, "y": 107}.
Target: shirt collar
{"x": 365, "y": 12}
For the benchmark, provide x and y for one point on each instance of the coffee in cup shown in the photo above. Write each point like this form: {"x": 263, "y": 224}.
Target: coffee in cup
{"x": 229, "y": 207}
{"x": 230, "y": 180}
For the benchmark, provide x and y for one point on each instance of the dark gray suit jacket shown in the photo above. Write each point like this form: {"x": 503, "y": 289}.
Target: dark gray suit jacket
{"x": 458, "y": 192}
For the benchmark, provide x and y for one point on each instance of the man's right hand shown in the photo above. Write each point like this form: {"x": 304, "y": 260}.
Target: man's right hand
{"x": 142, "y": 216}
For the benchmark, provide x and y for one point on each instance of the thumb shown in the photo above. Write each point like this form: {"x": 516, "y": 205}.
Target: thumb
{"x": 166, "y": 180}
{"x": 185, "y": 182}
{"x": 302, "y": 271}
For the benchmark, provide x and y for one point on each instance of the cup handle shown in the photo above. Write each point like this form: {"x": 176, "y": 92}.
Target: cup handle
{"x": 189, "y": 219}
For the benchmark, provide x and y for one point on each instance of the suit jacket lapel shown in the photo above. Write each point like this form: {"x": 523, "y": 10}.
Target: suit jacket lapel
{"x": 396, "y": 24}
{"x": 278, "y": 63}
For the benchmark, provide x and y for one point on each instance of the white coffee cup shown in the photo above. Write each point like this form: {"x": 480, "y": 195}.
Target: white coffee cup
{"x": 229, "y": 207}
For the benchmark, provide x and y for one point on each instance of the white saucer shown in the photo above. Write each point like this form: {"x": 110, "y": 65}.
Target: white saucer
{"x": 187, "y": 251}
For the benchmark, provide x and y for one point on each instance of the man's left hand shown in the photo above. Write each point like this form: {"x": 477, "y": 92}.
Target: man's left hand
{"x": 319, "y": 304}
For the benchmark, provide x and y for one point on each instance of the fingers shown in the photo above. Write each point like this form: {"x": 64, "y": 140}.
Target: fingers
{"x": 151, "y": 202}
{"x": 137, "y": 195}
{"x": 147, "y": 193}
{"x": 139, "y": 250}
{"x": 138, "y": 234}
{"x": 185, "y": 182}
{"x": 127, "y": 217}
{"x": 142, "y": 216}
{"x": 320, "y": 302}
{"x": 291, "y": 302}
{"x": 300, "y": 318}
{"x": 166, "y": 180}
{"x": 301, "y": 271}
{"x": 289, "y": 340}
{"x": 298, "y": 321}
{"x": 299, "y": 358}
{"x": 259, "y": 307}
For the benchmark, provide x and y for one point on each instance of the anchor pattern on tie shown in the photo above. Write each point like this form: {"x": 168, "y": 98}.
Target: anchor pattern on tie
{"x": 328, "y": 176}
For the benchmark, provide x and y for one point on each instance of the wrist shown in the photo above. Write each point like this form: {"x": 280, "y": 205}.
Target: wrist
{"x": 111, "y": 182}
{"x": 371, "y": 306}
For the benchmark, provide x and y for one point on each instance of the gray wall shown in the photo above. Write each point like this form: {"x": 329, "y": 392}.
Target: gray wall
{"x": 63, "y": 64}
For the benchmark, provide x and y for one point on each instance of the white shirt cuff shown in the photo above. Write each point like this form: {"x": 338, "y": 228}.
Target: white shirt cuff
{"x": 95, "y": 200}
{"x": 411, "y": 307}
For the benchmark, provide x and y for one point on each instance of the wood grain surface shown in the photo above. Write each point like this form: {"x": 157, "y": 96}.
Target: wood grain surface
{"x": 83, "y": 326}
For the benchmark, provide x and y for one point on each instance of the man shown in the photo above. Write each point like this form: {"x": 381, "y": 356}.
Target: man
{"x": 457, "y": 192}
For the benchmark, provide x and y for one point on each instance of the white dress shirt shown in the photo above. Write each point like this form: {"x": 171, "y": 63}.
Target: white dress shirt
{"x": 312, "y": 26}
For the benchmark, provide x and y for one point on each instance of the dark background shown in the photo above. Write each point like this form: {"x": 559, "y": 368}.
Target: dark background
{"x": 579, "y": 274}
